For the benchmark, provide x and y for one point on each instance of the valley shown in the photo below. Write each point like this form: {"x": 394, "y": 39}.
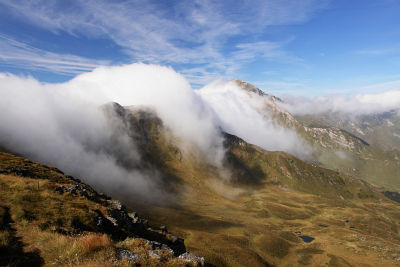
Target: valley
{"x": 255, "y": 208}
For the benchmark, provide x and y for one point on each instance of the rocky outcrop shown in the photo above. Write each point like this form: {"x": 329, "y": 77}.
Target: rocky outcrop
{"x": 193, "y": 259}
{"x": 113, "y": 218}
{"x": 392, "y": 195}
{"x": 124, "y": 254}
{"x": 119, "y": 223}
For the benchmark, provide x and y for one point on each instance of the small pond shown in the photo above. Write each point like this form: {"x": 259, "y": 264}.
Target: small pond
{"x": 307, "y": 238}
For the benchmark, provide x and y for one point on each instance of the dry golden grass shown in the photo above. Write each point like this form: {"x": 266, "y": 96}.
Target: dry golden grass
{"x": 41, "y": 218}
{"x": 94, "y": 242}
{"x": 5, "y": 238}
{"x": 233, "y": 232}
{"x": 254, "y": 227}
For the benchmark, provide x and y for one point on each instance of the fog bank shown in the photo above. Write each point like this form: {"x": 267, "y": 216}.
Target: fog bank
{"x": 361, "y": 104}
{"x": 246, "y": 115}
{"x": 65, "y": 126}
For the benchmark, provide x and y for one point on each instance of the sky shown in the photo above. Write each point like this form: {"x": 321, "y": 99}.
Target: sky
{"x": 307, "y": 48}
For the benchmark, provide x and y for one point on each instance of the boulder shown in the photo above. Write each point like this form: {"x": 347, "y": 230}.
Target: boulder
{"x": 124, "y": 254}
{"x": 193, "y": 259}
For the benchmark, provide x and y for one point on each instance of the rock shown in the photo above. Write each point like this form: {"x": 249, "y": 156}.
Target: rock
{"x": 154, "y": 244}
{"x": 164, "y": 229}
{"x": 115, "y": 204}
{"x": 167, "y": 249}
{"x": 128, "y": 255}
{"x": 193, "y": 259}
{"x": 21, "y": 172}
{"x": 73, "y": 178}
{"x": 122, "y": 219}
{"x": 58, "y": 171}
{"x": 60, "y": 189}
{"x": 112, "y": 220}
{"x": 392, "y": 195}
{"x": 121, "y": 224}
{"x": 154, "y": 254}
{"x": 80, "y": 190}
{"x": 103, "y": 196}
{"x": 104, "y": 224}
{"x": 134, "y": 216}
{"x": 177, "y": 244}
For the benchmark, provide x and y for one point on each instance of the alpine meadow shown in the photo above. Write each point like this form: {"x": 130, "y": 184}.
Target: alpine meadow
{"x": 200, "y": 133}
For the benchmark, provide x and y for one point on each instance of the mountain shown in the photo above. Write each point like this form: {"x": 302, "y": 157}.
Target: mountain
{"x": 273, "y": 204}
{"x": 337, "y": 143}
{"x": 47, "y": 217}
{"x": 381, "y": 130}
{"x": 252, "y": 207}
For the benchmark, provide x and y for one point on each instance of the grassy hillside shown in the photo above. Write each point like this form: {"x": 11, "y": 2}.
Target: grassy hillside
{"x": 49, "y": 218}
{"x": 259, "y": 216}
{"x": 363, "y": 146}
{"x": 261, "y": 208}
{"x": 381, "y": 130}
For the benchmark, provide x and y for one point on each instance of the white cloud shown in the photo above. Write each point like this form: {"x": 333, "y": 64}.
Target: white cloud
{"x": 62, "y": 125}
{"x": 195, "y": 32}
{"x": 359, "y": 104}
{"x": 246, "y": 115}
{"x": 22, "y": 55}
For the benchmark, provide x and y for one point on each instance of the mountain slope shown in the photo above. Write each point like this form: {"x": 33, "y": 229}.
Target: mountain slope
{"x": 256, "y": 208}
{"x": 381, "y": 130}
{"x": 47, "y": 217}
{"x": 259, "y": 216}
{"x": 336, "y": 145}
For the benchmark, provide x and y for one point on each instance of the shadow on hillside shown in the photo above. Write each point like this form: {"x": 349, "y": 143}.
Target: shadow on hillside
{"x": 12, "y": 254}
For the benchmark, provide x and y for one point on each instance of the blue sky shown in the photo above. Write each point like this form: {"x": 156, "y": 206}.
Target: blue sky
{"x": 308, "y": 47}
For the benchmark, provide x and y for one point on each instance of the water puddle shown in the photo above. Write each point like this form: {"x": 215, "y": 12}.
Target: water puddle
{"x": 306, "y": 238}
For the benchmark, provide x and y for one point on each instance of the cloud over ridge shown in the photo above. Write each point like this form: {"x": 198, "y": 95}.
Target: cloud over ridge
{"x": 63, "y": 124}
{"x": 360, "y": 104}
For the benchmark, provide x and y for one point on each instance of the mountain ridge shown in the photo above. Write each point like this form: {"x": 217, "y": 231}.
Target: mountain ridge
{"x": 254, "y": 208}
{"x": 337, "y": 148}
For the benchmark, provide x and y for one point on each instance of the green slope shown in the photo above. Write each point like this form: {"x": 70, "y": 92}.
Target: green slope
{"x": 336, "y": 141}
{"x": 256, "y": 217}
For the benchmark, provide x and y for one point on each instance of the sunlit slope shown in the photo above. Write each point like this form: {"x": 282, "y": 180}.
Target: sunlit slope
{"x": 338, "y": 146}
{"x": 381, "y": 130}
{"x": 256, "y": 217}
{"x": 50, "y": 218}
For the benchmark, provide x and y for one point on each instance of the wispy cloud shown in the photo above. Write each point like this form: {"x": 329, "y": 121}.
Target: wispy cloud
{"x": 359, "y": 104}
{"x": 22, "y": 55}
{"x": 196, "y": 32}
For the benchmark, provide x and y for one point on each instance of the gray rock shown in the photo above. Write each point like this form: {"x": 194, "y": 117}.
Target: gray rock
{"x": 191, "y": 258}
{"x": 115, "y": 204}
{"x": 154, "y": 254}
{"x": 21, "y": 172}
{"x": 164, "y": 229}
{"x": 167, "y": 249}
{"x": 111, "y": 219}
{"x": 154, "y": 244}
{"x": 128, "y": 255}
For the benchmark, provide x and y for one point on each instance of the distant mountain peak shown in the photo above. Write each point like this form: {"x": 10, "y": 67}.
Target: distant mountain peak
{"x": 253, "y": 89}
